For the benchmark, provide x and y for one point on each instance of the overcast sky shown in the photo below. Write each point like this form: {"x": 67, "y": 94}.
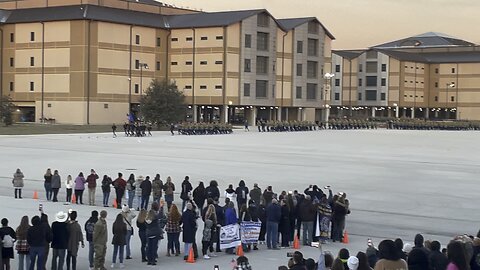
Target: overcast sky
{"x": 364, "y": 23}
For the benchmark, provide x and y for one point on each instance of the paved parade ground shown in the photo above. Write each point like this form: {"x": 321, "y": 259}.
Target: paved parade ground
{"x": 399, "y": 183}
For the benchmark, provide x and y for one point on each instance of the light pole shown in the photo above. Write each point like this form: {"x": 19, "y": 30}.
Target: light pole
{"x": 328, "y": 81}
{"x": 396, "y": 109}
{"x": 142, "y": 66}
{"x": 449, "y": 85}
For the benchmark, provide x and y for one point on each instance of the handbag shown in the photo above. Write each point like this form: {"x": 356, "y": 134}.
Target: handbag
{"x": 129, "y": 224}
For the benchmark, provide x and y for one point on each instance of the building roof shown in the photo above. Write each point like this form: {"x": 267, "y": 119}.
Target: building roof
{"x": 426, "y": 40}
{"x": 211, "y": 19}
{"x": 435, "y": 57}
{"x": 292, "y": 23}
{"x": 348, "y": 54}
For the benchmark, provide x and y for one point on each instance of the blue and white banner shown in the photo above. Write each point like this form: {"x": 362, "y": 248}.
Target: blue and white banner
{"x": 230, "y": 236}
{"x": 250, "y": 231}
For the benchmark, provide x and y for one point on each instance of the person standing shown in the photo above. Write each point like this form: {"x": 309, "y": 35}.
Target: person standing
{"x": 199, "y": 195}
{"x": 100, "y": 236}
{"x": 156, "y": 220}
{"x": 212, "y": 191}
{"x": 56, "y": 184}
{"x": 48, "y": 184}
{"x": 60, "y": 237}
{"x": 37, "y": 238}
{"x": 173, "y": 229}
{"x": 68, "y": 186}
{"x": 172, "y": 128}
{"x": 8, "y": 236}
{"x": 79, "y": 187}
{"x": 74, "y": 238}
{"x": 325, "y": 212}
{"x": 119, "y": 230}
{"x": 119, "y": 184}
{"x": 46, "y": 226}
{"x": 186, "y": 189}
{"x": 138, "y": 191}
{"x": 130, "y": 189}
{"x": 230, "y": 193}
{"x": 128, "y": 216}
{"x": 268, "y": 196}
{"x": 106, "y": 186}
{"x": 308, "y": 214}
{"x": 208, "y": 230}
{"x": 92, "y": 186}
{"x": 256, "y": 194}
{"x": 230, "y": 218}
{"x": 89, "y": 229}
{"x": 169, "y": 188}
{"x": 242, "y": 193}
{"x": 284, "y": 225}
{"x": 156, "y": 187}
{"x": 142, "y": 233}
{"x": 189, "y": 222}
{"x": 22, "y": 246}
{"x": 114, "y": 129}
{"x": 245, "y": 123}
{"x": 18, "y": 184}
{"x": 274, "y": 214}
{"x": 146, "y": 188}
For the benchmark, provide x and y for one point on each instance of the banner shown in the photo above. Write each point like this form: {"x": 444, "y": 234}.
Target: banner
{"x": 230, "y": 236}
{"x": 250, "y": 231}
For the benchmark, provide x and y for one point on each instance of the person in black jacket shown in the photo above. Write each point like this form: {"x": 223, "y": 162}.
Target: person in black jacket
{"x": 262, "y": 216}
{"x": 199, "y": 196}
{"x": 7, "y": 246}
{"x": 37, "y": 238}
{"x": 242, "y": 194}
{"x": 253, "y": 210}
{"x": 308, "y": 214}
{"x": 437, "y": 260}
{"x": 44, "y": 220}
{"x": 146, "y": 187}
{"x": 189, "y": 228}
{"x": 274, "y": 214}
{"x": 418, "y": 257}
{"x": 284, "y": 226}
{"x": 212, "y": 191}
{"x": 89, "y": 226}
{"x": 219, "y": 211}
{"x": 59, "y": 240}
{"x": 186, "y": 188}
{"x": 106, "y": 186}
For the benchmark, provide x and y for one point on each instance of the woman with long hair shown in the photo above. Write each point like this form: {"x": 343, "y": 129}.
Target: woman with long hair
{"x": 55, "y": 185}
{"x": 142, "y": 232}
{"x": 79, "y": 187}
{"x": 106, "y": 187}
{"x": 363, "y": 261}
{"x": 21, "y": 244}
{"x": 119, "y": 229}
{"x": 208, "y": 230}
{"x": 131, "y": 190}
{"x": 173, "y": 229}
{"x": 457, "y": 257}
{"x": 389, "y": 257}
{"x": 48, "y": 184}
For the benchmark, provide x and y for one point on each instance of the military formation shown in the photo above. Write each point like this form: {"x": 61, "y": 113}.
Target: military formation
{"x": 416, "y": 124}
{"x": 284, "y": 126}
{"x": 204, "y": 128}
{"x": 348, "y": 124}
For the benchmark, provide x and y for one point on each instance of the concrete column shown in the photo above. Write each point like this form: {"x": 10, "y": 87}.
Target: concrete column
{"x": 300, "y": 114}
{"x": 413, "y": 113}
{"x": 373, "y": 111}
{"x": 389, "y": 113}
{"x": 436, "y": 114}
{"x": 279, "y": 114}
{"x": 404, "y": 113}
{"x": 286, "y": 113}
{"x": 427, "y": 113}
{"x": 195, "y": 113}
{"x": 253, "y": 116}
{"x": 225, "y": 113}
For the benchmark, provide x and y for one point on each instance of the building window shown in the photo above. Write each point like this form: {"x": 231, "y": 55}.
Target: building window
{"x": 137, "y": 88}
{"x": 383, "y": 96}
{"x": 219, "y": 37}
{"x": 105, "y": 105}
{"x": 188, "y": 87}
{"x": 203, "y": 63}
{"x": 11, "y": 86}
{"x": 436, "y": 71}
{"x": 384, "y": 82}
{"x": 49, "y": 105}
{"x": 158, "y": 65}
{"x": 371, "y": 95}
{"x": 261, "y": 89}
{"x": 452, "y": 98}
{"x": 262, "y": 65}
{"x": 436, "y": 98}
{"x": 32, "y": 86}
{"x": 218, "y": 62}
{"x": 262, "y": 41}
{"x": 337, "y": 68}
{"x": 299, "y": 46}
{"x": 360, "y": 68}
{"x": 188, "y": 63}
{"x": 12, "y": 37}
{"x": 337, "y": 96}
{"x": 248, "y": 41}
{"x": 372, "y": 67}
{"x": 32, "y": 36}
{"x": 312, "y": 49}
{"x": 159, "y": 42}
{"x": 453, "y": 70}
{"x": 174, "y": 39}
{"x": 246, "y": 89}
{"x": 137, "y": 64}
{"x": 299, "y": 69}
{"x": 32, "y": 61}
{"x": 312, "y": 69}
{"x": 203, "y": 87}
{"x": 337, "y": 82}
{"x": 263, "y": 20}
{"x": 311, "y": 91}
{"x": 137, "y": 39}
{"x": 436, "y": 84}
{"x": 174, "y": 63}
{"x": 12, "y": 62}
{"x": 312, "y": 27}
{"x": 371, "y": 81}
{"x": 218, "y": 87}
{"x": 248, "y": 65}
{"x": 204, "y": 38}
{"x": 298, "y": 94}
{"x": 384, "y": 67}
{"x": 360, "y": 81}
{"x": 189, "y": 38}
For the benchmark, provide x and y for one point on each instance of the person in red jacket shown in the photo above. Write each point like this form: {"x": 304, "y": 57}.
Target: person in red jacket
{"x": 92, "y": 185}
{"x": 119, "y": 184}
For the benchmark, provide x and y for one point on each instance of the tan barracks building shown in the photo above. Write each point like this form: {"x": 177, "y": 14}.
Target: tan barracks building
{"x": 89, "y": 61}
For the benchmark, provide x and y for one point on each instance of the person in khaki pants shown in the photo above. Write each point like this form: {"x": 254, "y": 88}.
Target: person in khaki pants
{"x": 100, "y": 236}
{"x": 92, "y": 185}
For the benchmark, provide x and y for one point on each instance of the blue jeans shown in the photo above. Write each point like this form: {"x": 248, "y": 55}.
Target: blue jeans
{"x": 187, "y": 247}
{"x": 152, "y": 249}
{"x": 272, "y": 234}
{"x": 128, "y": 236}
{"x": 143, "y": 240}
{"x": 139, "y": 201}
{"x": 173, "y": 244}
{"x": 48, "y": 191}
{"x": 37, "y": 254}
{"x": 23, "y": 261}
{"x": 116, "y": 249}
{"x": 169, "y": 200}
{"x": 58, "y": 259}
{"x": 91, "y": 251}
{"x": 131, "y": 195}
{"x": 106, "y": 196}
{"x": 145, "y": 200}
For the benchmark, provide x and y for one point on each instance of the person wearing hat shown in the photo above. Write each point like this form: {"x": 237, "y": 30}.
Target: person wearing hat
{"x": 138, "y": 191}
{"x": 59, "y": 240}
{"x": 75, "y": 237}
{"x": 128, "y": 216}
{"x": 100, "y": 236}
{"x": 352, "y": 263}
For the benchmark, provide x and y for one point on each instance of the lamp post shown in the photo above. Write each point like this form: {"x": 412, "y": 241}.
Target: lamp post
{"x": 449, "y": 85}
{"x": 142, "y": 66}
{"x": 328, "y": 81}
{"x": 396, "y": 109}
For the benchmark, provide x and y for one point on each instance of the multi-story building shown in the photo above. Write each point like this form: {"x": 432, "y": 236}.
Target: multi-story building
{"x": 431, "y": 76}
{"x": 90, "y": 61}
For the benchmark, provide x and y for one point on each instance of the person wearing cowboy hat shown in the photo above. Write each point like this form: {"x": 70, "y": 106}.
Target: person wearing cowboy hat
{"x": 138, "y": 191}
{"x": 59, "y": 240}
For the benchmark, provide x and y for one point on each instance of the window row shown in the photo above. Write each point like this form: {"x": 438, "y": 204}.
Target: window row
{"x": 202, "y": 63}
{"x": 371, "y": 95}
{"x": 175, "y": 39}
{"x": 203, "y": 87}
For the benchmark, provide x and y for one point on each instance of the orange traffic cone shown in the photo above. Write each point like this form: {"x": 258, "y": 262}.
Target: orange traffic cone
{"x": 191, "y": 258}
{"x": 74, "y": 199}
{"x": 345, "y": 238}
{"x": 35, "y": 195}
{"x": 115, "y": 203}
{"x": 296, "y": 243}
{"x": 240, "y": 250}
